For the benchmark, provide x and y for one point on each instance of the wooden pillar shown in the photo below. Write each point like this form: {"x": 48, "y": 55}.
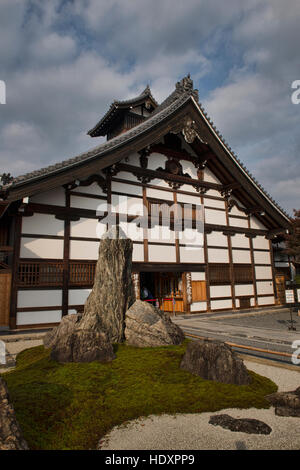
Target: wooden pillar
{"x": 66, "y": 260}
{"x": 208, "y": 303}
{"x": 15, "y": 268}
{"x": 230, "y": 259}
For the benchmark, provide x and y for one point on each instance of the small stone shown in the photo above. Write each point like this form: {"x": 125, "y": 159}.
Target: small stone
{"x": 214, "y": 360}
{"x": 247, "y": 425}
{"x": 286, "y": 403}
{"x": 147, "y": 326}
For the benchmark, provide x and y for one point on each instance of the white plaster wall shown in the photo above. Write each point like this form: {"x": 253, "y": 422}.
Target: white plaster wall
{"x": 233, "y": 222}
{"x": 88, "y": 203}
{"x": 93, "y": 189}
{"x": 55, "y": 197}
{"x": 187, "y": 199}
{"x": 240, "y": 241}
{"x": 244, "y": 289}
{"x": 78, "y": 296}
{"x": 264, "y": 287}
{"x": 127, "y": 175}
{"x": 198, "y": 307}
{"x": 190, "y": 236}
{"x": 213, "y": 192}
{"x": 198, "y": 276}
{"x": 35, "y": 318}
{"x": 157, "y": 194}
{"x": 42, "y": 224}
{"x": 266, "y": 300}
{"x": 191, "y": 254}
{"x": 241, "y": 256}
{"x": 220, "y": 291}
{"x": 156, "y": 160}
{"x": 133, "y": 159}
{"x": 86, "y": 228}
{"x": 161, "y": 233}
{"x": 255, "y": 223}
{"x": 210, "y": 177}
{"x": 261, "y": 257}
{"x": 132, "y": 231}
{"x": 84, "y": 249}
{"x": 162, "y": 253}
{"x": 189, "y": 168}
{"x": 161, "y": 183}
{"x": 263, "y": 272}
{"x": 220, "y": 304}
{"x": 127, "y": 205}
{"x": 39, "y": 298}
{"x": 217, "y": 239}
{"x": 126, "y": 188}
{"x": 138, "y": 252}
{"x": 189, "y": 188}
{"x": 214, "y": 203}
{"x": 215, "y": 217}
{"x": 261, "y": 243}
{"x": 41, "y": 248}
{"x": 217, "y": 256}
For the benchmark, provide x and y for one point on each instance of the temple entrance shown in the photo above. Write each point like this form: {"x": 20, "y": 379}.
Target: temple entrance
{"x": 164, "y": 290}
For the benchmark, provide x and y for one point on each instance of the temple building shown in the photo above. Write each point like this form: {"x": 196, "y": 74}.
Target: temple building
{"x": 157, "y": 157}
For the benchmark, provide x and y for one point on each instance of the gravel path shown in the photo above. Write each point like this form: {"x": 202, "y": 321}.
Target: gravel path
{"x": 192, "y": 431}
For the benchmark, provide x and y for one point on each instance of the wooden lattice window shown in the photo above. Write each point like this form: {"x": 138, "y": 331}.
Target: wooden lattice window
{"x": 82, "y": 273}
{"x": 219, "y": 273}
{"x": 243, "y": 273}
{"x": 38, "y": 273}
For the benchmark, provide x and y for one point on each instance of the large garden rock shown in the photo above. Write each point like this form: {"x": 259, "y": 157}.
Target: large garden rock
{"x": 286, "y": 403}
{"x": 147, "y": 326}
{"x": 11, "y": 437}
{"x": 247, "y": 425}
{"x": 112, "y": 292}
{"x": 214, "y": 360}
{"x": 61, "y": 332}
{"x": 83, "y": 346}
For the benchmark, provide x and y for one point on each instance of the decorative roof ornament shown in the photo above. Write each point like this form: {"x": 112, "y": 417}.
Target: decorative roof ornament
{"x": 186, "y": 85}
{"x": 5, "y": 179}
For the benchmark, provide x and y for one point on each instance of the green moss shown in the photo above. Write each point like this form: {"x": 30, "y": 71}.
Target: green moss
{"x": 71, "y": 406}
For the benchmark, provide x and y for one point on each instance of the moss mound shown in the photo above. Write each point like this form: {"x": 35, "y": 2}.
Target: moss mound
{"x": 71, "y": 406}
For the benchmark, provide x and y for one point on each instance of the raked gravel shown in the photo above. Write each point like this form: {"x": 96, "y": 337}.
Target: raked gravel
{"x": 193, "y": 431}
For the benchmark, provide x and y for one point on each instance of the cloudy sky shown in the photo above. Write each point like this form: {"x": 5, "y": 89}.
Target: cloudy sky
{"x": 64, "y": 61}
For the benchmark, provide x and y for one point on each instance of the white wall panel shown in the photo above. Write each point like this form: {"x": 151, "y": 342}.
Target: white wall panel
{"x": 215, "y": 217}
{"x": 264, "y": 287}
{"x": 161, "y": 233}
{"x": 127, "y": 205}
{"x": 42, "y": 224}
{"x": 241, "y": 256}
{"x": 240, "y": 241}
{"x": 191, "y": 254}
{"x": 84, "y": 249}
{"x": 127, "y": 175}
{"x": 78, "y": 296}
{"x": 214, "y": 203}
{"x": 156, "y": 160}
{"x": 39, "y": 298}
{"x": 233, "y": 222}
{"x": 210, "y": 177}
{"x": 189, "y": 188}
{"x": 41, "y": 248}
{"x": 263, "y": 272}
{"x": 93, "y": 189}
{"x": 162, "y": 253}
{"x": 88, "y": 203}
{"x": 189, "y": 199}
{"x": 198, "y": 276}
{"x": 157, "y": 194}
{"x": 189, "y": 168}
{"x": 190, "y": 236}
{"x": 138, "y": 252}
{"x": 213, "y": 192}
{"x": 266, "y": 300}
{"x": 261, "y": 257}
{"x": 244, "y": 289}
{"x": 35, "y": 318}
{"x": 88, "y": 228}
{"x": 198, "y": 307}
{"x": 221, "y": 304}
{"x": 132, "y": 231}
{"x": 55, "y": 197}
{"x": 255, "y": 223}
{"x": 217, "y": 239}
{"x": 126, "y": 188}
{"x": 217, "y": 256}
{"x": 133, "y": 159}
{"x": 261, "y": 243}
{"x": 220, "y": 291}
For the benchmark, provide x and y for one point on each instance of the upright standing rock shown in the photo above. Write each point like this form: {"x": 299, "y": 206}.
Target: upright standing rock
{"x": 113, "y": 292}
